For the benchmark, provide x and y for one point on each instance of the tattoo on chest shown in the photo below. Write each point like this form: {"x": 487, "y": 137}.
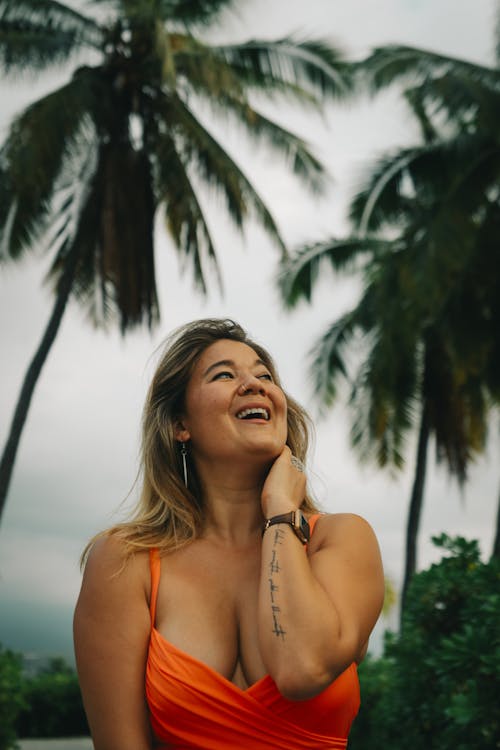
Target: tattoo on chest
{"x": 274, "y": 571}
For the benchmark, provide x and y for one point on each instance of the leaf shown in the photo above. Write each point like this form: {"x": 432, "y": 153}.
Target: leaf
{"x": 311, "y": 65}
{"x": 183, "y": 212}
{"x": 37, "y": 35}
{"x": 386, "y": 65}
{"x": 41, "y": 141}
{"x": 218, "y": 169}
{"x": 299, "y": 272}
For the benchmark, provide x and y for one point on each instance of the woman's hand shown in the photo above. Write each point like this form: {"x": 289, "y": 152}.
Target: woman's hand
{"x": 284, "y": 488}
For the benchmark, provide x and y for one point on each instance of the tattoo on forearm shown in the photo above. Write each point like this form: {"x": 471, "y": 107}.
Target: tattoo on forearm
{"x": 272, "y": 589}
{"x": 274, "y": 570}
{"x": 274, "y": 564}
{"x": 277, "y": 629}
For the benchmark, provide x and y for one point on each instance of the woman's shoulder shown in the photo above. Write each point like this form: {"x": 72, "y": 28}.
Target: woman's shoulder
{"x": 339, "y": 521}
{"x": 109, "y": 556}
{"x": 341, "y": 530}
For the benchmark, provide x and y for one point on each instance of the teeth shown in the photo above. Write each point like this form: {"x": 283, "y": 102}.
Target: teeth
{"x": 256, "y": 411}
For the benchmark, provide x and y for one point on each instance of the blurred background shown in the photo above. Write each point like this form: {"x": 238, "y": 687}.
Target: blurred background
{"x": 78, "y": 456}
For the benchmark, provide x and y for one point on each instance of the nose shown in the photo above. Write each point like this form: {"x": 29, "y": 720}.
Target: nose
{"x": 251, "y": 384}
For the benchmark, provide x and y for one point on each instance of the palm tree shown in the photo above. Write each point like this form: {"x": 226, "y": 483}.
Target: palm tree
{"x": 84, "y": 170}
{"x": 429, "y": 315}
{"x": 457, "y": 104}
{"x": 395, "y": 351}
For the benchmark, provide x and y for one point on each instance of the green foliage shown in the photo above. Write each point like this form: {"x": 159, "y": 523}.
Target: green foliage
{"x": 438, "y": 682}
{"x": 11, "y": 698}
{"x": 86, "y": 167}
{"x": 53, "y": 704}
{"x": 421, "y": 346}
{"x": 374, "y": 676}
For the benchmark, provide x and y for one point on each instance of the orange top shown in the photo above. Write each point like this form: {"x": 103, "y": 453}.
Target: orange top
{"x": 193, "y": 707}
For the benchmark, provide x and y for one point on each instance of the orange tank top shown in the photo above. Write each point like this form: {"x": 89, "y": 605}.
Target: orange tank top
{"x": 193, "y": 707}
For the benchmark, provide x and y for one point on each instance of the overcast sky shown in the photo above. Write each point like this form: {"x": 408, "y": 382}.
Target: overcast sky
{"x": 78, "y": 456}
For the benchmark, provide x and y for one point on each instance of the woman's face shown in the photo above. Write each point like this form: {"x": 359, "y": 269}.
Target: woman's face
{"x": 233, "y": 408}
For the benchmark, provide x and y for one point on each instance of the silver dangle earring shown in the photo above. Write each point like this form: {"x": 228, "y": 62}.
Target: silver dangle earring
{"x": 184, "y": 462}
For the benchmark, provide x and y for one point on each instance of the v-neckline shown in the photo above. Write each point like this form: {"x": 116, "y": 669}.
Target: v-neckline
{"x": 203, "y": 665}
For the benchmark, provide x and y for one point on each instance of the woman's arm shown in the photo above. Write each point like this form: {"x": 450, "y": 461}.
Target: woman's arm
{"x": 111, "y": 632}
{"x": 316, "y": 612}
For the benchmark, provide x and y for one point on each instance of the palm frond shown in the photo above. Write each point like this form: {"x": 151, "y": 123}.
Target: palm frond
{"x": 113, "y": 239}
{"x": 210, "y": 72}
{"x": 428, "y": 174}
{"x": 197, "y": 65}
{"x": 379, "y": 202}
{"x": 193, "y": 12}
{"x": 299, "y": 271}
{"x": 221, "y": 87}
{"x": 52, "y": 12}
{"x": 373, "y": 434}
{"x": 294, "y": 151}
{"x": 419, "y": 106}
{"x": 314, "y": 66}
{"x": 327, "y": 357}
{"x": 370, "y": 434}
{"x": 456, "y": 405}
{"x": 215, "y": 166}
{"x": 459, "y": 103}
{"x": 39, "y": 141}
{"x": 8, "y": 207}
{"x": 392, "y": 63}
{"x": 188, "y": 13}
{"x": 37, "y": 35}
{"x": 183, "y": 213}
{"x": 178, "y": 14}
{"x": 384, "y": 393}
{"x": 477, "y": 172}
{"x": 126, "y": 233}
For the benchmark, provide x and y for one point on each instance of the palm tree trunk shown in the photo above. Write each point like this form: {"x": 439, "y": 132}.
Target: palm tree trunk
{"x": 416, "y": 502}
{"x": 496, "y": 543}
{"x": 32, "y": 374}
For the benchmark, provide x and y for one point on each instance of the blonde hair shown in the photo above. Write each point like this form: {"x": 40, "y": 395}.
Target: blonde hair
{"x": 168, "y": 514}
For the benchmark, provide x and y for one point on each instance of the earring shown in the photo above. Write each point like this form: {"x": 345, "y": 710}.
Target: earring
{"x": 184, "y": 462}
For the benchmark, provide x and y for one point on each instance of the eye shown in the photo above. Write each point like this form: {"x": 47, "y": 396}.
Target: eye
{"x": 266, "y": 376}
{"x": 223, "y": 375}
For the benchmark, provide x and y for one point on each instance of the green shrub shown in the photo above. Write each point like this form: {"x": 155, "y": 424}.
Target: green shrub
{"x": 11, "y": 697}
{"x": 374, "y": 677}
{"x": 438, "y": 683}
{"x": 53, "y": 704}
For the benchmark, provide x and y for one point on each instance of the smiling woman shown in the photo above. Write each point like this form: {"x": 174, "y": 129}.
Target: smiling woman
{"x": 227, "y": 612}
{"x": 232, "y": 394}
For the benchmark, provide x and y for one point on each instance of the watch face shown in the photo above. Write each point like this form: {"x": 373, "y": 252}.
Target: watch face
{"x": 303, "y": 528}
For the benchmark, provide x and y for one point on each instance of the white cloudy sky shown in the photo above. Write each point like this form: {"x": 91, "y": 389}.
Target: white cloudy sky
{"x": 78, "y": 456}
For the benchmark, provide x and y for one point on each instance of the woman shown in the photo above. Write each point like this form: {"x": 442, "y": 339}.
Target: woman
{"x": 227, "y": 613}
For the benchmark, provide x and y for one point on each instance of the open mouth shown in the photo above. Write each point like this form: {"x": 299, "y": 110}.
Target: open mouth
{"x": 254, "y": 413}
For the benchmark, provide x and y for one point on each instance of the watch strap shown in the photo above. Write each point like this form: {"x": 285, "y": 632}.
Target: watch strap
{"x": 295, "y": 519}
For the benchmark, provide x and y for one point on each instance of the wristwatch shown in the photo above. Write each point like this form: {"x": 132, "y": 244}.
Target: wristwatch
{"x": 297, "y": 521}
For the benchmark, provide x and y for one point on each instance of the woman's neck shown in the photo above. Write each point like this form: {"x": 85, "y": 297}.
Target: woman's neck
{"x": 232, "y": 514}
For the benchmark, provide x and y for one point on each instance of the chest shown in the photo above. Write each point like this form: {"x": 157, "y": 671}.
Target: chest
{"x": 207, "y": 607}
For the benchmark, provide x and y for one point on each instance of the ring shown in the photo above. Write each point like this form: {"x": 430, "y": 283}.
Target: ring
{"x": 297, "y": 463}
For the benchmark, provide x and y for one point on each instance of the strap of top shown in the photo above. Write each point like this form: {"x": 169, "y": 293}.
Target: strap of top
{"x": 155, "y": 567}
{"x": 312, "y": 521}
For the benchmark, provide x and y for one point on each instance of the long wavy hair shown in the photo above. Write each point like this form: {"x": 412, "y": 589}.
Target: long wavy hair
{"x": 168, "y": 514}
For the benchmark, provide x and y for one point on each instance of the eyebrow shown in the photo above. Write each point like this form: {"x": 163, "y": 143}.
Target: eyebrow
{"x": 230, "y": 363}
